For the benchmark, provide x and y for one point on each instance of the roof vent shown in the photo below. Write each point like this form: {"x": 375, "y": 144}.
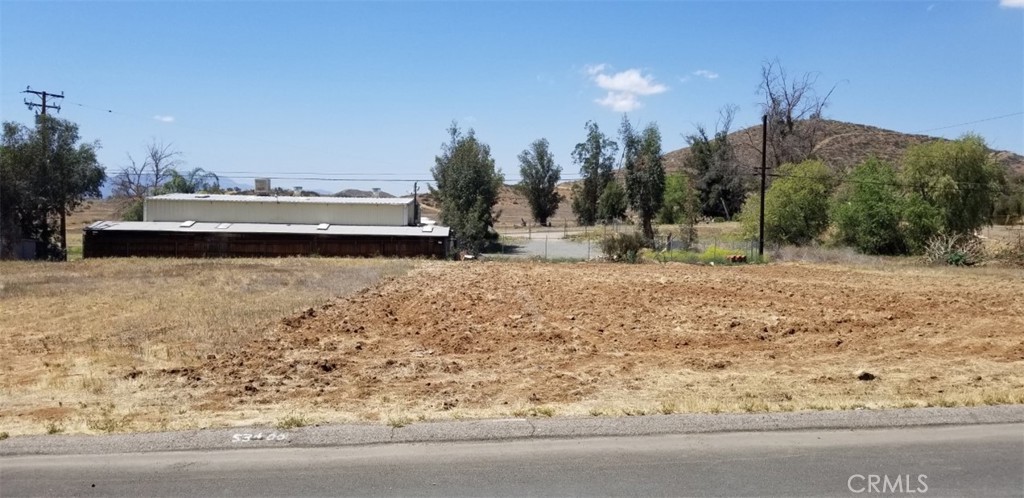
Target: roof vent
{"x": 262, "y": 186}
{"x": 376, "y": 192}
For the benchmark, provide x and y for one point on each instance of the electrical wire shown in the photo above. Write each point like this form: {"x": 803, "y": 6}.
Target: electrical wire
{"x": 399, "y": 177}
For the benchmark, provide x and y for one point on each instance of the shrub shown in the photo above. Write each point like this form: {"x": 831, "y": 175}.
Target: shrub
{"x": 921, "y": 223}
{"x": 796, "y": 205}
{"x": 954, "y": 250}
{"x": 867, "y": 212}
{"x": 611, "y": 205}
{"x": 716, "y": 255}
{"x": 292, "y": 422}
{"x": 624, "y": 246}
{"x": 682, "y": 206}
{"x": 959, "y": 179}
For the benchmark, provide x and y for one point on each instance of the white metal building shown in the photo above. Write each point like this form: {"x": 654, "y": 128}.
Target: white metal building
{"x": 355, "y": 211}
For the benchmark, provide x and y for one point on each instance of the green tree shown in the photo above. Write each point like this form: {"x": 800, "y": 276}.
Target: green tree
{"x": 596, "y": 159}
{"x": 645, "y": 173}
{"x": 681, "y": 206}
{"x": 45, "y": 171}
{"x": 467, "y": 187}
{"x": 712, "y": 159}
{"x": 957, "y": 178}
{"x": 680, "y": 200}
{"x": 796, "y": 205}
{"x": 1009, "y": 207}
{"x": 921, "y": 222}
{"x": 612, "y": 204}
{"x": 539, "y": 183}
{"x": 868, "y": 210}
{"x": 195, "y": 180}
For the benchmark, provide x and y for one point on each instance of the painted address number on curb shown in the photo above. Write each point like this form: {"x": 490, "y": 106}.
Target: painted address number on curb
{"x": 248, "y": 438}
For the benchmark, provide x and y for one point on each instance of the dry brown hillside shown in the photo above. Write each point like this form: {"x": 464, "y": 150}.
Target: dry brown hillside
{"x": 842, "y": 146}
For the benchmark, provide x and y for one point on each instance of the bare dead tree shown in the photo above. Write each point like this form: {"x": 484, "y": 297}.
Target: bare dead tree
{"x": 794, "y": 110}
{"x": 137, "y": 179}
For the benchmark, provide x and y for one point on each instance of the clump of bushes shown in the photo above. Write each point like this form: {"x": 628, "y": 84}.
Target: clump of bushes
{"x": 716, "y": 255}
{"x": 954, "y": 250}
{"x": 930, "y": 205}
{"x": 624, "y": 247}
{"x": 796, "y": 205}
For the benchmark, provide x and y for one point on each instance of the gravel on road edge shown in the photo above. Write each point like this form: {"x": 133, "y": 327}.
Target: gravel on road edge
{"x": 503, "y": 429}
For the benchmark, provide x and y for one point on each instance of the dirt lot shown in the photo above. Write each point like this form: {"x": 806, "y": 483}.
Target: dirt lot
{"x": 513, "y": 339}
{"x": 453, "y": 340}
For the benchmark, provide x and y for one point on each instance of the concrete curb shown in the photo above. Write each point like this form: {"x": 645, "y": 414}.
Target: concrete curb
{"x": 505, "y": 429}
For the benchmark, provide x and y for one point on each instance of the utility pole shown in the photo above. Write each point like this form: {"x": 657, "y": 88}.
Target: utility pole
{"x": 764, "y": 176}
{"x": 416, "y": 203}
{"x": 42, "y": 96}
{"x": 63, "y": 174}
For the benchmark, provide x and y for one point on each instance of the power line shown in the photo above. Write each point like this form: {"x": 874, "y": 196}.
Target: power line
{"x": 1018, "y": 113}
{"x": 319, "y": 175}
{"x": 214, "y": 130}
{"x": 975, "y": 186}
{"x": 236, "y": 177}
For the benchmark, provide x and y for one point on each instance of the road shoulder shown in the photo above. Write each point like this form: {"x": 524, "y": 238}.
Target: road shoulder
{"x": 504, "y": 429}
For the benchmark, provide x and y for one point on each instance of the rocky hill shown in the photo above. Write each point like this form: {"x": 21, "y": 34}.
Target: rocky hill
{"x": 842, "y": 145}
{"x": 352, "y": 192}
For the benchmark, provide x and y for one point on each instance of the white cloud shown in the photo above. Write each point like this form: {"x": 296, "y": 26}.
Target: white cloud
{"x": 624, "y": 88}
{"x": 1012, "y": 3}
{"x": 704, "y": 73}
{"x": 164, "y": 119}
{"x": 630, "y": 81}
{"x": 594, "y": 69}
{"x": 620, "y": 101}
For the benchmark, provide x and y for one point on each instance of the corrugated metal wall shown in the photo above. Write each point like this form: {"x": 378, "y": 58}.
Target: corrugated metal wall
{"x": 157, "y": 209}
{"x": 117, "y": 243}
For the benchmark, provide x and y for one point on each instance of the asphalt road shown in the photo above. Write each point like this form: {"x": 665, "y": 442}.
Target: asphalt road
{"x": 978, "y": 460}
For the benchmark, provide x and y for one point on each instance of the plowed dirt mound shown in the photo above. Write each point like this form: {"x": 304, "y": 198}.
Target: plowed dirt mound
{"x": 496, "y": 339}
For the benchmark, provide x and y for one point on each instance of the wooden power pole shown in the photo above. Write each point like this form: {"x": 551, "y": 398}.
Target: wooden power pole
{"x": 764, "y": 175}
{"x": 43, "y": 106}
{"x": 42, "y": 96}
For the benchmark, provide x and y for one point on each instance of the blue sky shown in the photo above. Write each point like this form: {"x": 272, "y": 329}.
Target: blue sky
{"x": 312, "y": 89}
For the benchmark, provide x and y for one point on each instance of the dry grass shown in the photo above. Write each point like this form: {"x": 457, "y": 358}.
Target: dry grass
{"x": 455, "y": 341}
{"x": 120, "y": 345}
{"x": 78, "y": 336}
{"x": 88, "y": 213}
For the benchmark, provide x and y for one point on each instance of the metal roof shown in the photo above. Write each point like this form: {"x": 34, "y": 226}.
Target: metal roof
{"x": 207, "y": 227}
{"x": 391, "y": 201}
